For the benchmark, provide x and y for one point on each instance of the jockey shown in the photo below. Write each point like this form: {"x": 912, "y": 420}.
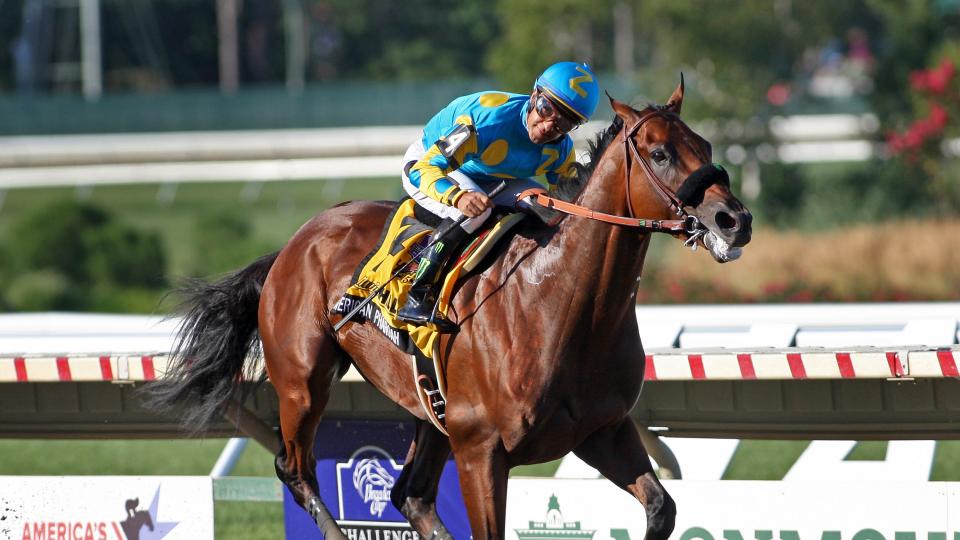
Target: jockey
{"x": 478, "y": 141}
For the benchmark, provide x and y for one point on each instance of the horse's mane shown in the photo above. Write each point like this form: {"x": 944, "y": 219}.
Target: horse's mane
{"x": 570, "y": 186}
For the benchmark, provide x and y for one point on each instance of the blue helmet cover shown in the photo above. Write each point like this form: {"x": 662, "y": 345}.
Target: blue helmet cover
{"x": 573, "y": 85}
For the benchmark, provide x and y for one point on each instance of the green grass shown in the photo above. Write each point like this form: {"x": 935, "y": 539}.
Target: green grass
{"x": 540, "y": 469}
{"x": 946, "y": 462}
{"x": 275, "y": 213}
{"x": 763, "y": 460}
{"x": 127, "y": 457}
{"x": 248, "y": 520}
{"x": 770, "y": 460}
{"x": 868, "y": 451}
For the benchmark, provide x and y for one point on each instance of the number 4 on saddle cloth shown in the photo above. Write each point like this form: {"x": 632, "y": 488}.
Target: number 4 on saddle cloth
{"x": 403, "y": 236}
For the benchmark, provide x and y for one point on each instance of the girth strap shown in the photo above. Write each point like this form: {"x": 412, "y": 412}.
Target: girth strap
{"x": 540, "y": 196}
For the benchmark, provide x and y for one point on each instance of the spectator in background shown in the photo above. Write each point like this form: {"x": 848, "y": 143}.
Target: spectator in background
{"x": 859, "y": 61}
{"x": 324, "y": 39}
{"x": 30, "y": 49}
{"x": 261, "y": 16}
{"x": 858, "y": 48}
{"x": 842, "y": 69}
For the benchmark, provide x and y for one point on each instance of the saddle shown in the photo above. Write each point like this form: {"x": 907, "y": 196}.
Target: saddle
{"x": 405, "y": 233}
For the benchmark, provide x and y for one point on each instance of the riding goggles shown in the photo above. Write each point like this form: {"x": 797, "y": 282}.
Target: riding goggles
{"x": 548, "y": 110}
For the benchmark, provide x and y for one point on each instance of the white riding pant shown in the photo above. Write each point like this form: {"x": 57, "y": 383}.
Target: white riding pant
{"x": 507, "y": 197}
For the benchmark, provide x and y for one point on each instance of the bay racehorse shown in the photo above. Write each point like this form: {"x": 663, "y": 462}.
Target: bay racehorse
{"x": 548, "y": 358}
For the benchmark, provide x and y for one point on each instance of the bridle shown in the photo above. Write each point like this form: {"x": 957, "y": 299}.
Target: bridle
{"x": 630, "y": 144}
{"x": 677, "y": 200}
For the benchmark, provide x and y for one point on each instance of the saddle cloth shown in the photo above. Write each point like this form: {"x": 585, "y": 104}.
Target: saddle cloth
{"x": 404, "y": 236}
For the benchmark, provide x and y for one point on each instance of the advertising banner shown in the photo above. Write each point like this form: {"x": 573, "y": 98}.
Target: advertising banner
{"x": 358, "y": 463}
{"x": 739, "y": 510}
{"x": 106, "y": 508}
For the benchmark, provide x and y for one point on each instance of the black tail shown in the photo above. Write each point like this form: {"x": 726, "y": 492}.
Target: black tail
{"x": 218, "y": 332}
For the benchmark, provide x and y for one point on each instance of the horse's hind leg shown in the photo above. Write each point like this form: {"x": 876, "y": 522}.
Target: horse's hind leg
{"x": 302, "y": 369}
{"x": 415, "y": 493}
{"x": 619, "y": 455}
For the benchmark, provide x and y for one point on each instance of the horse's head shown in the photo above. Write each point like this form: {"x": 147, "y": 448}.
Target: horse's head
{"x": 670, "y": 174}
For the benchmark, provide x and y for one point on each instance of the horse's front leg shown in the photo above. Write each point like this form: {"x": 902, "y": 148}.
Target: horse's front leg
{"x": 616, "y": 451}
{"x": 415, "y": 493}
{"x": 483, "y": 481}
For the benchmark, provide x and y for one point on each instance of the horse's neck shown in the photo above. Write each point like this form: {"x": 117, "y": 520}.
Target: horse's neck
{"x": 604, "y": 260}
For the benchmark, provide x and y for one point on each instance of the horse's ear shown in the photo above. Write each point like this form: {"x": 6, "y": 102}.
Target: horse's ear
{"x": 676, "y": 99}
{"x": 623, "y": 110}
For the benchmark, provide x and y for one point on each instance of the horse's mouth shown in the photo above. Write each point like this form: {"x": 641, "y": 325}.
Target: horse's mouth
{"x": 720, "y": 250}
{"x": 721, "y": 229}
{"x": 699, "y": 234}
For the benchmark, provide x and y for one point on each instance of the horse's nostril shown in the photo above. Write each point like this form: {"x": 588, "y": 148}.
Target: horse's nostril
{"x": 725, "y": 221}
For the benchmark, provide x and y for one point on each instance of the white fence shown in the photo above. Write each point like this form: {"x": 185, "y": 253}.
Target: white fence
{"x": 932, "y": 324}
{"x": 759, "y": 326}
{"x": 335, "y": 153}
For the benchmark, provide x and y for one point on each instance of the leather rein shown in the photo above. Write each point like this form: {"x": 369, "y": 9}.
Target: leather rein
{"x": 686, "y": 224}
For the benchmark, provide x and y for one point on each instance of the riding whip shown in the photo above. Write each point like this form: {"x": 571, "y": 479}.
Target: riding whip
{"x": 346, "y": 318}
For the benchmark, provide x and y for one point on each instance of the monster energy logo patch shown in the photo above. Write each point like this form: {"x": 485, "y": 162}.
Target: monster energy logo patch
{"x": 422, "y": 268}
{"x": 426, "y": 262}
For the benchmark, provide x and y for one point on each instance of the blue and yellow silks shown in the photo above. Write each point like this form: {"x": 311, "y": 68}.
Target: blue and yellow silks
{"x": 498, "y": 146}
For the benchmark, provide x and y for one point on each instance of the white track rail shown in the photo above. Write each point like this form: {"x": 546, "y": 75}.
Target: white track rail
{"x": 682, "y": 342}
{"x": 325, "y": 153}
{"x": 932, "y": 324}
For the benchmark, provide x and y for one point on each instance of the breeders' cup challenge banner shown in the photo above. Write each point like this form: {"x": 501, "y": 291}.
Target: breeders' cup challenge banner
{"x": 358, "y": 463}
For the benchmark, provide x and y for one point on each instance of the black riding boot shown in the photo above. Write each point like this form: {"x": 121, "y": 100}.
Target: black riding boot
{"x": 419, "y": 308}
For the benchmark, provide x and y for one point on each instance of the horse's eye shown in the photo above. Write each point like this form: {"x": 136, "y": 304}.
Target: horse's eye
{"x": 659, "y": 155}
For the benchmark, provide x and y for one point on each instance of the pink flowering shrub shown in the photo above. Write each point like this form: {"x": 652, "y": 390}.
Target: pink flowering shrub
{"x": 928, "y": 144}
{"x": 936, "y": 89}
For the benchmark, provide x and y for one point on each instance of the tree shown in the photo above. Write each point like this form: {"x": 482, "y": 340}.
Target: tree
{"x": 730, "y": 52}
{"x": 537, "y": 33}
{"x": 72, "y": 256}
{"x": 922, "y": 149}
{"x": 416, "y": 40}
{"x": 223, "y": 242}
{"x": 911, "y": 30}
